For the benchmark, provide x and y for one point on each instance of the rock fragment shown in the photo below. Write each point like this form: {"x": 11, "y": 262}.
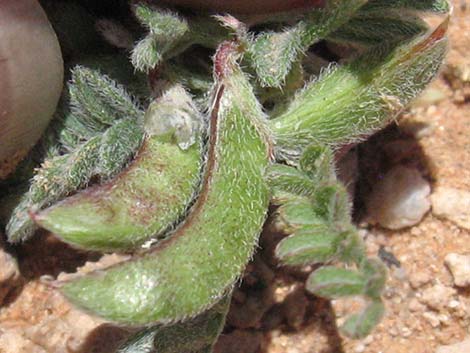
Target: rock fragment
{"x": 400, "y": 199}
{"x": 461, "y": 347}
{"x": 9, "y": 274}
{"x": 437, "y": 296}
{"x": 459, "y": 266}
{"x": 452, "y": 204}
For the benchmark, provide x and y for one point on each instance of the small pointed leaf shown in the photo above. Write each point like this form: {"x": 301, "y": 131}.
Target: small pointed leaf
{"x": 360, "y": 325}
{"x": 290, "y": 179}
{"x": 299, "y": 213}
{"x": 332, "y": 282}
{"x": 308, "y": 246}
{"x": 376, "y": 273}
{"x": 317, "y": 162}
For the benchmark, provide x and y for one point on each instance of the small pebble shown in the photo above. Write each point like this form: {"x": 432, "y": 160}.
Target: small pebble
{"x": 400, "y": 199}
{"x": 432, "y": 319}
{"x": 452, "y": 204}
{"x": 415, "y": 305}
{"x": 360, "y": 348}
{"x": 437, "y": 296}
{"x": 9, "y": 274}
{"x": 460, "y": 347}
{"x": 419, "y": 279}
{"x": 459, "y": 266}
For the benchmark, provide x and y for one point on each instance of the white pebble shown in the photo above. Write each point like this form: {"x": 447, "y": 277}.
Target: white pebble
{"x": 459, "y": 266}
{"x": 452, "y": 204}
{"x": 400, "y": 199}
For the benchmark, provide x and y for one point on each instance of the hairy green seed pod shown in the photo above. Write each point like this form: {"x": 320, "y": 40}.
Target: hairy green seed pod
{"x": 349, "y": 102}
{"x": 146, "y": 198}
{"x": 191, "y": 270}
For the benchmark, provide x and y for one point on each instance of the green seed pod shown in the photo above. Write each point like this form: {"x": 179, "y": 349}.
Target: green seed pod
{"x": 332, "y": 282}
{"x": 195, "y": 267}
{"x": 350, "y": 102}
{"x": 360, "y": 325}
{"x": 146, "y": 198}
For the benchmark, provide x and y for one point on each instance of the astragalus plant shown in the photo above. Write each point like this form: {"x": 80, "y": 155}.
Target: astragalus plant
{"x": 178, "y": 163}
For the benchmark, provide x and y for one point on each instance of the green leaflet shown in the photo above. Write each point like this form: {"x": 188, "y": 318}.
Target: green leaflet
{"x": 272, "y": 54}
{"x": 349, "y": 102}
{"x": 149, "y": 196}
{"x": 308, "y": 246}
{"x": 190, "y": 271}
{"x": 196, "y": 335}
{"x": 361, "y": 324}
{"x": 287, "y": 180}
{"x": 376, "y": 274}
{"x": 333, "y": 282}
{"x": 170, "y": 35}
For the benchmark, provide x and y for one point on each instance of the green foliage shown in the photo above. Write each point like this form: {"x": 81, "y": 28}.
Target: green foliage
{"x": 319, "y": 223}
{"x": 362, "y": 29}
